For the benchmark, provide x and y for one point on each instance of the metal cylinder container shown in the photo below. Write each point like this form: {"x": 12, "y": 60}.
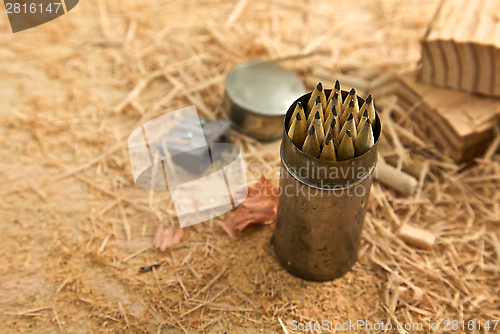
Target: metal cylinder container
{"x": 322, "y": 206}
{"x": 256, "y": 97}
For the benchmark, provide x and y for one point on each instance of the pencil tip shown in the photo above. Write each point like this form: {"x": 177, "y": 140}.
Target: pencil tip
{"x": 348, "y": 132}
{"x": 337, "y": 84}
{"x": 351, "y": 116}
{"x": 318, "y": 100}
{"x": 351, "y": 104}
{"x": 316, "y": 115}
{"x": 369, "y": 99}
{"x": 300, "y": 105}
{"x": 311, "y": 130}
{"x": 328, "y": 138}
{"x": 352, "y": 92}
{"x": 319, "y": 86}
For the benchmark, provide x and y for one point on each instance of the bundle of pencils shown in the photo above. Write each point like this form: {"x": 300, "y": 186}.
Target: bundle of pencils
{"x": 332, "y": 129}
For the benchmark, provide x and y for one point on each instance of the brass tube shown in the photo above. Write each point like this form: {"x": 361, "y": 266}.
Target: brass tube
{"x": 322, "y": 206}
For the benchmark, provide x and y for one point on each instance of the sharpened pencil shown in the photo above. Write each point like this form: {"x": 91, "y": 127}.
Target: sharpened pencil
{"x": 338, "y": 102}
{"x": 346, "y": 148}
{"x": 333, "y": 115}
{"x": 334, "y": 101}
{"x": 347, "y": 112}
{"x": 362, "y": 121}
{"x": 370, "y": 108}
{"x": 318, "y": 91}
{"x": 354, "y": 107}
{"x": 328, "y": 151}
{"x": 317, "y": 107}
{"x": 318, "y": 125}
{"x": 337, "y": 90}
{"x": 322, "y": 97}
{"x": 364, "y": 141}
{"x": 299, "y": 109}
{"x": 329, "y": 108}
{"x": 335, "y": 128}
{"x": 348, "y": 99}
{"x": 311, "y": 145}
{"x": 298, "y": 131}
{"x": 302, "y": 124}
{"x": 356, "y": 112}
{"x": 350, "y": 126}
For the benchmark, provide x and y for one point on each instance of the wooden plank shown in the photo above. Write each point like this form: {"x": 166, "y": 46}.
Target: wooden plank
{"x": 439, "y": 127}
{"x": 428, "y": 129}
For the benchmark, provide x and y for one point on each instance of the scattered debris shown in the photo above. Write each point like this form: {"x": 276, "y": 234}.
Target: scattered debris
{"x": 151, "y": 267}
{"x": 411, "y": 295}
{"x": 415, "y": 236}
{"x": 167, "y": 237}
{"x": 395, "y": 179}
{"x": 259, "y": 207}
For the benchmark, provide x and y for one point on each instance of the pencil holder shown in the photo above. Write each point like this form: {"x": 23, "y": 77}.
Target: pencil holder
{"x": 322, "y": 206}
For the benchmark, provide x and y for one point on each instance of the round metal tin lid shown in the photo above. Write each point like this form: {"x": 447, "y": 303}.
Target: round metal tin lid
{"x": 263, "y": 88}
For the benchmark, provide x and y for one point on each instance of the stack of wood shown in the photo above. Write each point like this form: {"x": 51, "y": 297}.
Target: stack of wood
{"x": 458, "y": 123}
{"x": 461, "y": 48}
